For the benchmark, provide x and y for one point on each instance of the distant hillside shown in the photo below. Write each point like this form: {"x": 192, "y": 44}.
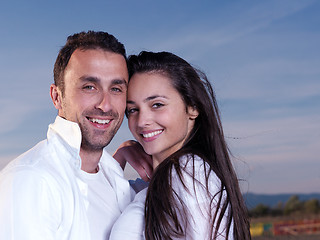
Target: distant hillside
{"x": 271, "y": 200}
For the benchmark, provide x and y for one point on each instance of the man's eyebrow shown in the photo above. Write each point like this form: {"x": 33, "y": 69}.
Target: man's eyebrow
{"x": 96, "y": 80}
{"x": 89, "y": 79}
{"x": 149, "y": 98}
{"x": 119, "y": 82}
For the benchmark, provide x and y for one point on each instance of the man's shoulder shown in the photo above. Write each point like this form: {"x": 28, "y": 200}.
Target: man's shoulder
{"x": 36, "y": 163}
{"x": 29, "y": 158}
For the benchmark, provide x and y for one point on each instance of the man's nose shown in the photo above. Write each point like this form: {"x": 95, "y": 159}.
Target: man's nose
{"x": 104, "y": 102}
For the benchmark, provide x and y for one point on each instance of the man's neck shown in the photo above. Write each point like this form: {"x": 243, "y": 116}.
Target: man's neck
{"x": 90, "y": 160}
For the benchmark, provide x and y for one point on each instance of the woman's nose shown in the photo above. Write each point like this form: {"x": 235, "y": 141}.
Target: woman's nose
{"x": 144, "y": 118}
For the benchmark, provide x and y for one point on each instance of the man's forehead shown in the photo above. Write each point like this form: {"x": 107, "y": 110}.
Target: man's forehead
{"x": 97, "y": 64}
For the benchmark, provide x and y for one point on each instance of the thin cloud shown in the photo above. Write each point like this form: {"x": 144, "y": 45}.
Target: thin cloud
{"x": 277, "y": 140}
{"x": 280, "y": 79}
{"x": 241, "y": 23}
{"x": 14, "y": 113}
{"x": 4, "y": 160}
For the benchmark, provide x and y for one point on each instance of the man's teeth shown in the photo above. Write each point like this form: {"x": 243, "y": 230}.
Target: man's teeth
{"x": 100, "y": 121}
{"x": 149, "y": 135}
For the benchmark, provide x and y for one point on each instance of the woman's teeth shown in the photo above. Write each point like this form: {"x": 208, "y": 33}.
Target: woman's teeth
{"x": 149, "y": 135}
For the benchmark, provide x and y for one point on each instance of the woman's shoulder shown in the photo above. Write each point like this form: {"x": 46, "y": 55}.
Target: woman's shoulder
{"x": 193, "y": 164}
{"x": 194, "y": 169}
{"x": 187, "y": 159}
{"x": 194, "y": 181}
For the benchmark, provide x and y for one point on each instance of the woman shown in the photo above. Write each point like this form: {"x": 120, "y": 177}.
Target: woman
{"x": 194, "y": 191}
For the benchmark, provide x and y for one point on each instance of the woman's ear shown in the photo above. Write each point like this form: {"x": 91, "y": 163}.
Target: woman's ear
{"x": 55, "y": 94}
{"x": 193, "y": 112}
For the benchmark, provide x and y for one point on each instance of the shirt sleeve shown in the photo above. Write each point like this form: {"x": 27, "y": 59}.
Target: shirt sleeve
{"x": 29, "y": 208}
{"x": 130, "y": 225}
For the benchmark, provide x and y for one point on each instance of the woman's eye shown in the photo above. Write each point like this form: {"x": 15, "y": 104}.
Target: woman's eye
{"x": 131, "y": 110}
{"x": 157, "y": 105}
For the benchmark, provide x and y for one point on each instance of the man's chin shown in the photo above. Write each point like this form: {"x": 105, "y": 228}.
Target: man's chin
{"x": 92, "y": 147}
{"x": 95, "y": 145}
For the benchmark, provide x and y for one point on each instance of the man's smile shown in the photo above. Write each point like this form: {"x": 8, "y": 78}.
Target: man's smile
{"x": 99, "y": 121}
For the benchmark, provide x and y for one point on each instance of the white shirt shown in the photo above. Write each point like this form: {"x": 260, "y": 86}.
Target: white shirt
{"x": 45, "y": 194}
{"x": 131, "y": 224}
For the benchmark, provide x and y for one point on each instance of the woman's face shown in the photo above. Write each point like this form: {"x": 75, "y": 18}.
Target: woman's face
{"x": 157, "y": 115}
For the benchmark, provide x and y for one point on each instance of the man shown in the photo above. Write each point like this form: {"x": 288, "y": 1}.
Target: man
{"x": 68, "y": 186}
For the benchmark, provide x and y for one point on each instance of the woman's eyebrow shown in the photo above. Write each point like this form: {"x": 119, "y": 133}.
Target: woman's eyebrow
{"x": 148, "y": 98}
{"x": 154, "y": 97}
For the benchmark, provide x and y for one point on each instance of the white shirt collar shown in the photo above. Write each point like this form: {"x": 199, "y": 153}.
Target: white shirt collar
{"x": 69, "y": 131}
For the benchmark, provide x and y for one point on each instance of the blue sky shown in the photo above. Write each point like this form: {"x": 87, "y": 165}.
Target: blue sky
{"x": 262, "y": 57}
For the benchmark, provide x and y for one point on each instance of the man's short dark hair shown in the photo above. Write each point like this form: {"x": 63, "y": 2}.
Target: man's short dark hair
{"x": 84, "y": 41}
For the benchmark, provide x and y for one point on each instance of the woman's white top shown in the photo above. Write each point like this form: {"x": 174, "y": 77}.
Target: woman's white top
{"x": 131, "y": 225}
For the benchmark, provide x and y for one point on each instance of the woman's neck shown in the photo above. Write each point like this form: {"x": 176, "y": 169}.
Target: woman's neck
{"x": 155, "y": 162}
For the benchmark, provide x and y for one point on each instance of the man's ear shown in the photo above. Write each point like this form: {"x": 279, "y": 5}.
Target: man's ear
{"x": 193, "y": 112}
{"x": 56, "y": 96}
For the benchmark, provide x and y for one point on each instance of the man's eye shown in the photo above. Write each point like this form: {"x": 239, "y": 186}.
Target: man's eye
{"x": 115, "y": 89}
{"x": 88, "y": 87}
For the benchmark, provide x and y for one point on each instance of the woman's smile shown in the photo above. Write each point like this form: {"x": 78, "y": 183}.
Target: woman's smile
{"x": 151, "y": 135}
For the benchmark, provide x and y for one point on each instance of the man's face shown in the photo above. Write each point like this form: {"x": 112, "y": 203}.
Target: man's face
{"x": 95, "y": 95}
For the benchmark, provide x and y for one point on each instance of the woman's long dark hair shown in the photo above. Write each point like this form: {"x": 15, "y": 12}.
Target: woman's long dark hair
{"x": 205, "y": 140}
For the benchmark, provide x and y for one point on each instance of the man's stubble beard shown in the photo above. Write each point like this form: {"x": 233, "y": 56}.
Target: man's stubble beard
{"x": 88, "y": 141}
{"x": 92, "y": 141}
